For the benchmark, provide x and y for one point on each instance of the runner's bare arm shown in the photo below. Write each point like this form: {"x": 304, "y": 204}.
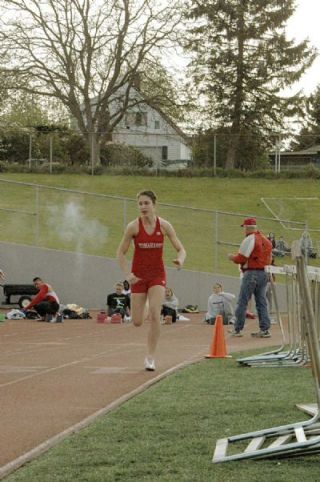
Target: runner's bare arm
{"x": 176, "y": 243}
{"x": 122, "y": 250}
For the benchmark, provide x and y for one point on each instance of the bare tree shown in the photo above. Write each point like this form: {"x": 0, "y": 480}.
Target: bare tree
{"x": 86, "y": 53}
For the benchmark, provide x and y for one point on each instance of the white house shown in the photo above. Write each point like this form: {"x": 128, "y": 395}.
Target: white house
{"x": 152, "y": 132}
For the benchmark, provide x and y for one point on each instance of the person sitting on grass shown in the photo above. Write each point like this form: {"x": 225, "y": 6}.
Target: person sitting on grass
{"x": 169, "y": 307}
{"x": 219, "y": 303}
{"x": 45, "y": 303}
{"x": 281, "y": 248}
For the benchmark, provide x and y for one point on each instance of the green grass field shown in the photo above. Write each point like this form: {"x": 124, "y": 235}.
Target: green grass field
{"x": 169, "y": 432}
{"x": 94, "y": 225}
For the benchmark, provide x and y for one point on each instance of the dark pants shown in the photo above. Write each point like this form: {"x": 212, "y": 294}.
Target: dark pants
{"x": 254, "y": 282}
{"x": 166, "y": 311}
{"x": 47, "y": 308}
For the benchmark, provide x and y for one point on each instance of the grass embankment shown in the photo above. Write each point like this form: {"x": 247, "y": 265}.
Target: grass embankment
{"x": 169, "y": 432}
{"x": 94, "y": 225}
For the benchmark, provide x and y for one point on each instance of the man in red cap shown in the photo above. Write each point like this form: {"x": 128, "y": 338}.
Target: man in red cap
{"x": 255, "y": 252}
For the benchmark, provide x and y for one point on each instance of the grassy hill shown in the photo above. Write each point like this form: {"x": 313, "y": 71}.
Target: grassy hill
{"x": 93, "y": 224}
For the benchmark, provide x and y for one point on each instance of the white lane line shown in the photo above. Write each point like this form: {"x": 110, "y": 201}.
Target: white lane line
{"x": 60, "y": 367}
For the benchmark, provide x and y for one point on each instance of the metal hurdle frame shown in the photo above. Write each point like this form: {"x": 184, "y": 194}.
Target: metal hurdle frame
{"x": 297, "y": 353}
{"x": 302, "y": 438}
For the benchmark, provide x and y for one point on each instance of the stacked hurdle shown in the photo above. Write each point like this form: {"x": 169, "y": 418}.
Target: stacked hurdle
{"x": 302, "y": 438}
{"x": 297, "y": 354}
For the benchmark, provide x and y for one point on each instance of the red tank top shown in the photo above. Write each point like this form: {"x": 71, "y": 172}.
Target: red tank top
{"x": 147, "y": 260}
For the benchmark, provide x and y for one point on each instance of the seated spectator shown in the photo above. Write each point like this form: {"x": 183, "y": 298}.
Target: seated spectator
{"x": 126, "y": 288}
{"x": 306, "y": 246}
{"x": 219, "y": 303}
{"x": 272, "y": 239}
{"x": 169, "y": 307}
{"x": 45, "y": 303}
{"x": 281, "y": 249}
{"x": 118, "y": 302}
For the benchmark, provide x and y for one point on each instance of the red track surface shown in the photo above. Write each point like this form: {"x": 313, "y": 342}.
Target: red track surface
{"x": 52, "y": 376}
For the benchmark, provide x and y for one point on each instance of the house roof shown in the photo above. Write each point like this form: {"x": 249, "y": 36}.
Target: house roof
{"x": 165, "y": 116}
{"x": 310, "y": 151}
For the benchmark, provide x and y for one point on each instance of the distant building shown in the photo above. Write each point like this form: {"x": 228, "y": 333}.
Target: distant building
{"x": 299, "y": 159}
{"x": 153, "y": 133}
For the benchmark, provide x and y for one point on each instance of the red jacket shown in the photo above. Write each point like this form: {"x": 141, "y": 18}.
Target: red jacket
{"x": 46, "y": 293}
{"x": 255, "y": 252}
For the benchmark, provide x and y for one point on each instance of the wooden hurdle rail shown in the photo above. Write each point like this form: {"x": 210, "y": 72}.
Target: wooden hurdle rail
{"x": 297, "y": 439}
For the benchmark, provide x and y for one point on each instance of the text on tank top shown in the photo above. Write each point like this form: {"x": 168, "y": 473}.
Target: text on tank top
{"x": 147, "y": 260}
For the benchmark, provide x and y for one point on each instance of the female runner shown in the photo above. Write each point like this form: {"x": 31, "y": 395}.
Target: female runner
{"x": 147, "y": 276}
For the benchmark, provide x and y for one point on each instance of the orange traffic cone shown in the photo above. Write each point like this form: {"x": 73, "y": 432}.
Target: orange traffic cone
{"x": 218, "y": 344}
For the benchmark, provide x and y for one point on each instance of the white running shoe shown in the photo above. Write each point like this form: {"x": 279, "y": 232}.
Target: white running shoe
{"x": 149, "y": 364}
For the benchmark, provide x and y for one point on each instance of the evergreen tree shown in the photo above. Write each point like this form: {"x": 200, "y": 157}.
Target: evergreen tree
{"x": 242, "y": 62}
{"x": 309, "y": 134}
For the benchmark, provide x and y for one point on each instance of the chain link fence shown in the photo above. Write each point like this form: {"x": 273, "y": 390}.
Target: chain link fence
{"x": 89, "y": 223}
{"x": 58, "y": 148}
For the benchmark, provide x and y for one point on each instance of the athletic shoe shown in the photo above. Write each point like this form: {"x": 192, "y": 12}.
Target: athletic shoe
{"x": 261, "y": 334}
{"x": 234, "y": 332}
{"x": 273, "y": 321}
{"x": 149, "y": 364}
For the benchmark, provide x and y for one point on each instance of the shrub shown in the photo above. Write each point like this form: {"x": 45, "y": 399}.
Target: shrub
{"x": 123, "y": 155}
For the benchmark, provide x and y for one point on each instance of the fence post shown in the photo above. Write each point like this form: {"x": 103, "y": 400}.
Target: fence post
{"x": 50, "y": 153}
{"x": 30, "y": 150}
{"x": 37, "y": 211}
{"x": 216, "y": 242}
{"x": 215, "y": 155}
{"x": 124, "y": 214}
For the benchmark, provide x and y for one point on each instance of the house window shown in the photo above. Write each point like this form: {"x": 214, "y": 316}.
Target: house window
{"x": 141, "y": 119}
{"x": 157, "y": 124}
{"x": 129, "y": 119}
{"x": 164, "y": 155}
{"x": 135, "y": 119}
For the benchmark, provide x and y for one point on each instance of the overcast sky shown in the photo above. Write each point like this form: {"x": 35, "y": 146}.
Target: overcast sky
{"x": 305, "y": 23}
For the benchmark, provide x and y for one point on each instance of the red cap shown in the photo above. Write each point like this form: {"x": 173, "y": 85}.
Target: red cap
{"x": 249, "y": 222}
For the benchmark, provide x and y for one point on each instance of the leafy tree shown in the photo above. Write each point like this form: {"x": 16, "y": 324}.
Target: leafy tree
{"x": 251, "y": 152}
{"x": 86, "y": 54}
{"x": 242, "y": 62}
{"x": 24, "y": 110}
{"x": 161, "y": 89}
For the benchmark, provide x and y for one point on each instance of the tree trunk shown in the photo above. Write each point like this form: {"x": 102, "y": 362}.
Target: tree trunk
{"x": 233, "y": 147}
{"x": 94, "y": 149}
